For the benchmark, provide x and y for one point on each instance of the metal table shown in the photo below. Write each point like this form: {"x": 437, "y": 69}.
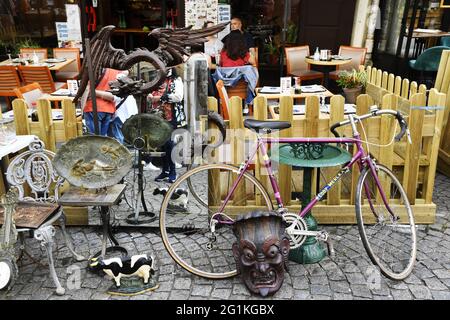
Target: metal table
{"x": 104, "y": 198}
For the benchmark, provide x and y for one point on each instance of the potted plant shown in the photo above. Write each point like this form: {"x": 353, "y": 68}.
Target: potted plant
{"x": 352, "y": 83}
{"x": 272, "y": 52}
{"x": 291, "y": 35}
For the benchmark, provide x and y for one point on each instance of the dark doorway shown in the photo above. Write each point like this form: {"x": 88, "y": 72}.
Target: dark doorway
{"x": 326, "y": 24}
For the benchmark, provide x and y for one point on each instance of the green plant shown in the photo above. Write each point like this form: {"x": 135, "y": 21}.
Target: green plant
{"x": 271, "y": 48}
{"x": 25, "y": 43}
{"x": 292, "y": 32}
{"x": 353, "y": 79}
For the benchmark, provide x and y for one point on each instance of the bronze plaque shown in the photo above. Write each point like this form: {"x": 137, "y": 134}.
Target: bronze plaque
{"x": 30, "y": 214}
{"x": 93, "y": 161}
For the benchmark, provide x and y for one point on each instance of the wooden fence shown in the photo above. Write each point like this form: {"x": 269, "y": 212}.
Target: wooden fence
{"x": 442, "y": 84}
{"x": 413, "y": 163}
{"x": 51, "y": 132}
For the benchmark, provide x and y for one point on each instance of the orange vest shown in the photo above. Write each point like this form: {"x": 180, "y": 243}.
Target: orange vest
{"x": 104, "y": 105}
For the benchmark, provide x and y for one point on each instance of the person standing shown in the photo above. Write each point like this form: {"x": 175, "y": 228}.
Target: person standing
{"x": 106, "y": 106}
{"x": 168, "y": 100}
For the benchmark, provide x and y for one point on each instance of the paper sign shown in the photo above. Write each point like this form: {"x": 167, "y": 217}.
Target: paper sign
{"x": 285, "y": 85}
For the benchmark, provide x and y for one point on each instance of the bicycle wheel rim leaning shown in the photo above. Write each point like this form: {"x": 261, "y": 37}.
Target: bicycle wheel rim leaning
{"x": 192, "y": 189}
{"x": 390, "y": 243}
{"x": 189, "y": 248}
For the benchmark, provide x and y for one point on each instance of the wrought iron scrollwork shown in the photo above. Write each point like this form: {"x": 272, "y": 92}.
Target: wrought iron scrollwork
{"x": 307, "y": 151}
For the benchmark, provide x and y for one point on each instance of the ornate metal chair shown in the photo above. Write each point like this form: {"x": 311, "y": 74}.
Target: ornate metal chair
{"x": 37, "y": 213}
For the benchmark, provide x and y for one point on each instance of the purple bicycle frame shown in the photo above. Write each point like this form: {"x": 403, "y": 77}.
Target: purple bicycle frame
{"x": 360, "y": 157}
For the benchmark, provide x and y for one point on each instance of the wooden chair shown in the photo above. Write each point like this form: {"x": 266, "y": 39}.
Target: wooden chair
{"x": 30, "y": 93}
{"x": 41, "y": 75}
{"x": 37, "y": 213}
{"x": 224, "y": 99}
{"x": 358, "y": 56}
{"x": 29, "y": 52}
{"x": 296, "y": 65}
{"x": 72, "y": 70}
{"x": 9, "y": 80}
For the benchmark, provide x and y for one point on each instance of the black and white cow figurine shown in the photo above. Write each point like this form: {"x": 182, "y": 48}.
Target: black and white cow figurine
{"x": 116, "y": 268}
{"x": 178, "y": 200}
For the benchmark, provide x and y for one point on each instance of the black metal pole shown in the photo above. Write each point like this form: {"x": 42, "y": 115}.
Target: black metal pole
{"x": 403, "y": 28}
{"x": 87, "y": 50}
{"x": 411, "y": 28}
{"x": 287, "y": 9}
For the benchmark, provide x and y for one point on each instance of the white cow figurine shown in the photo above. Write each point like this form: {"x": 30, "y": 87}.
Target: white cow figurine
{"x": 178, "y": 200}
{"x": 116, "y": 268}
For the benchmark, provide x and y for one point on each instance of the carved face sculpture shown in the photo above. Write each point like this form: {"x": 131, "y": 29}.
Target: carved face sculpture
{"x": 261, "y": 251}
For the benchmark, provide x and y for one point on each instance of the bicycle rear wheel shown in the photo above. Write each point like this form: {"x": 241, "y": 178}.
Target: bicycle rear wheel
{"x": 387, "y": 231}
{"x": 185, "y": 222}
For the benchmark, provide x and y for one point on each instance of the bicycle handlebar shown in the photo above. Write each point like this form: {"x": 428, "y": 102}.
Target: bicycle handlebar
{"x": 402, "y": 122}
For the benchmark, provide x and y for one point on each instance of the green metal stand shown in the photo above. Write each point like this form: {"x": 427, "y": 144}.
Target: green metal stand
{"x": 308, "y": 156}
{"x": 311, "y": 251}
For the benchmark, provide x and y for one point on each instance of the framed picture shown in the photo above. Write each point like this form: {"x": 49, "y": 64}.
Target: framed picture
{"x": 445, "y": 3}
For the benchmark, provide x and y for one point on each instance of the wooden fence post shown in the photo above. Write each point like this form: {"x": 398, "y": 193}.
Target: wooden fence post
{"x": 237, "y": 141}
{"x": 362, "y": 107}
{"x": 260, "y": 113}
{"x": 391, "y": 83}
{"x": 69, "y": 119}
{"x": 47, "y": 132}
{"x": 285, "y": 171}
{"x": 431, "y": 144}
{"x": 412, "y": 158}
{"x": 214, "y": 185}
{"x": 386, "y": 151}
{"x": 336, "y": 115}
{"x": 22, "y": 123}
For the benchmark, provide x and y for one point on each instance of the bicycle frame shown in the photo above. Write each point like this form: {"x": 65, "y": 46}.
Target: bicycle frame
{"x": 360, "y": 157}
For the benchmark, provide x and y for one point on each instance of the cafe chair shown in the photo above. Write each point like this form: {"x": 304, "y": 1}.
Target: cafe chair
{"x": 38, "y": 185}
{"x": 445, "y": 41}
{"x": 72, "y": 70}
{"x": 224, "y": 100}
{"x": 427, "y": 61}
{"x": 30, "y": 93}
{"x": 9, "y": 80}
{"x": 29, "y": 52}
{"x": 41, "y": 75}
{"x": 296, "y": 65}
{"x": 358, "y": 56}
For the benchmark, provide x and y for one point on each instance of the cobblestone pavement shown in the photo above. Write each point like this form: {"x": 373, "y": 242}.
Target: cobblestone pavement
{"x": 347, "y": 276}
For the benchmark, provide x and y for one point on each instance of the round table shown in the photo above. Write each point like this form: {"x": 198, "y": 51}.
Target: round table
{"x": 327, "y": 63}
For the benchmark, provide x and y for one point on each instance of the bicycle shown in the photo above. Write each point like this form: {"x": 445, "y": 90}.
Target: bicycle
{"x": 388, "y": 232}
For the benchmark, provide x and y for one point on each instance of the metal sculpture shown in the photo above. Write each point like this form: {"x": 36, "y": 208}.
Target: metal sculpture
{"x": 172, "y": 46}
{"x": 261, "y": 251}
{"x": 93, "y": 162}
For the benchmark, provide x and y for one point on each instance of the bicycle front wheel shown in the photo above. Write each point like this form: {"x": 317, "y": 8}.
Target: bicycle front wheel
{"x": 186, "y": 213}
{"x": 387, "y": 228}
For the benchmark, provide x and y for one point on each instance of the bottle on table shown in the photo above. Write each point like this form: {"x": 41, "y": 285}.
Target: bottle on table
{"x": 317, "y": 54}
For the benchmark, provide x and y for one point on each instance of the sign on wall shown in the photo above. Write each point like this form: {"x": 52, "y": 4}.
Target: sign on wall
{"x": 197, "y": 12}
{"x": 224, "y": 15}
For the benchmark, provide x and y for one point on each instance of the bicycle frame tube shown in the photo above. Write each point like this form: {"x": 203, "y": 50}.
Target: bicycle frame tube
{"x": 359, "y": 157}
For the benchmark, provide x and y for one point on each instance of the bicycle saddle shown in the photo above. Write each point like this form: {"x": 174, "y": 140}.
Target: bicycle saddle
{"x": 266, "y": 125}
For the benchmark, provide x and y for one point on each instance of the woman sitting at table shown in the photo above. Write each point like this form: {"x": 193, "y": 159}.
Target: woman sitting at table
{"x": 235, "y": 52}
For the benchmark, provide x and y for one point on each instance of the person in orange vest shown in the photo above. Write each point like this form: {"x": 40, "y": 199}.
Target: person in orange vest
{"x": 106, "y": 106}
